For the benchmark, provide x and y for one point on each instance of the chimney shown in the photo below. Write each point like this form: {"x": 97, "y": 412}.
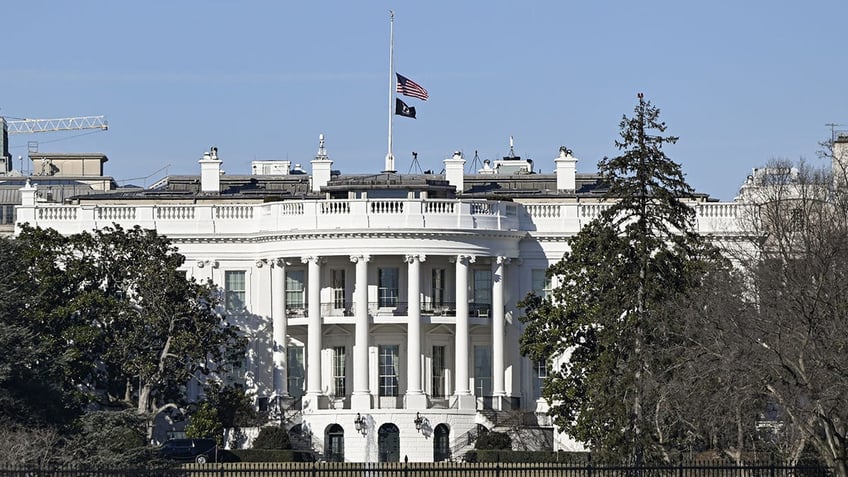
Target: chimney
{"x": 454, "y": 171}
{"x": 321, "y": 167}
{"x": 210, "y": 171}
{"x": 566, "y": 170}
{"x": 28, "y": 192}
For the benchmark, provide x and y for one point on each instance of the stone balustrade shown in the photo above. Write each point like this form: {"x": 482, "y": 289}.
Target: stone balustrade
{"x": 355, "y": 214}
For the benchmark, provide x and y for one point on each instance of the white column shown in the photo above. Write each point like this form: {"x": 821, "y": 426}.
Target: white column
{"x": 361, "y": 397}
{"x": 313, "y": 338}
{"x": 278, "y": 325}
{"x": 498, "y": 389}
{"x": 465, "y": 400}
{"x": 415, "y": 397}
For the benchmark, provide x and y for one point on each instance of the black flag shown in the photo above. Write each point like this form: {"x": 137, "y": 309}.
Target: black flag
{"x": 401, "y": 109}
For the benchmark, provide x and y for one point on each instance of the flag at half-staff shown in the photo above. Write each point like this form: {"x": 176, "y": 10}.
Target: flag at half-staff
{"x": 407, "y": 87}
{"x": 403, "y": 109}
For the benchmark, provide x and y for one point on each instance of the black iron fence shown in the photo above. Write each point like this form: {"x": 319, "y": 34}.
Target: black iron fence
{"x": 415, "y": 469}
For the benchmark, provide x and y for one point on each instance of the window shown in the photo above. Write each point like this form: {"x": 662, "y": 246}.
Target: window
{"x": 437, "y": 287}
{"x": 7, "y": 214}
{"x": 482, "y": 293}
{"x": 388, "y": 287}
{"x": 295, "y": 290}
{"x": 339, "y": 289}
{"x": 234, "y": 292}
{"x": 438, "y": 371}
{"x": 389, "y": 370}
{"x": 294, "y": 371}
{"x": 540, "y": 373}
{"x": 339, "y": 375}
{"x": 482, "y": 371}
{"x": 541, "y": 283}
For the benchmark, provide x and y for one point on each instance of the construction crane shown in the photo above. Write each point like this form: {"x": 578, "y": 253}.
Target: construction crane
{"x": 23, "y": 126}
{"x": 26, "y": 126}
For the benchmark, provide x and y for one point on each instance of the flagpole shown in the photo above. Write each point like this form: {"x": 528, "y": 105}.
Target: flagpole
{"x": 390, "y": 158}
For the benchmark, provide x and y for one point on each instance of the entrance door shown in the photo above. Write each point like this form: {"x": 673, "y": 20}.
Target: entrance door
{"x": 441, "y": 443}
{"x": 335, "y": 444}
{"x": 388, "y": 443}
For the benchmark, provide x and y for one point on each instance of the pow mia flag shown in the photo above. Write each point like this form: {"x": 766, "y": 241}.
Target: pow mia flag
{"x": 402, "y": 109}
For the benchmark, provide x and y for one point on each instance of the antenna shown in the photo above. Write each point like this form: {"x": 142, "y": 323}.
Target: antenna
{"x": 511, "y": 149}
{"x": 476, "y": 164}
{"x": 833, "y": 127}
{"x": 415, "y": 164}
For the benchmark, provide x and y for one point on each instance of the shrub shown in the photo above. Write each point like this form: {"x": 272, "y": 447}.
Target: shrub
{"x": 272, "y": 438}
{"x": 493, "y": 440}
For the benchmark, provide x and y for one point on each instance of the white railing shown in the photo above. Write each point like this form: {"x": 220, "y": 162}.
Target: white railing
{"x": 711, "y": 217}
{"x": 301, "y": 215}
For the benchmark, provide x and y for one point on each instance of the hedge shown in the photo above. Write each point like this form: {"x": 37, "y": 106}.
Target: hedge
{"x": 525, "y": 456}
{"x": 268, "y": 455}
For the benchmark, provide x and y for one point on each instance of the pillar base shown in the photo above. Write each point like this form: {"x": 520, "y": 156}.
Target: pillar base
{"x": 310, "y": 402}
{"x": 360, "y": 401}
{"x": 416, "y": 401}
{"x": 464, "y": 401}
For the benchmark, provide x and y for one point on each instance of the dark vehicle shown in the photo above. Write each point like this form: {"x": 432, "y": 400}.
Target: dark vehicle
{"x": 200, "y": 451}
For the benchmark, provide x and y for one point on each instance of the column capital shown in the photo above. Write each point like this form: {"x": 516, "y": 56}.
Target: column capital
{"x": 261, "y": 262}
{"x": 311, "y": 258}
{"x": 360, "y": 258}
{"x": 411, "y": 257}
{"x": 279, "y": 262}
{"x": 503, "y": 260}
{"x": 208, "y": 262}
{"x": 465, "y": 259}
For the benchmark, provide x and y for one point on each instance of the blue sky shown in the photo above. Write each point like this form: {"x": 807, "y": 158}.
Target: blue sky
{"x": 741, "y": 82}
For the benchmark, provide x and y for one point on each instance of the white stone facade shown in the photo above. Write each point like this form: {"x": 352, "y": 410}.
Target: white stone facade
{"x": 388, "y": 309}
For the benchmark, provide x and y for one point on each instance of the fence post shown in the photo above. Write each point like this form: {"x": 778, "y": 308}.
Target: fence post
{"x": 405, "y": 466}
{"x": 498, "y": 465}
{"x": 314, "y": 469}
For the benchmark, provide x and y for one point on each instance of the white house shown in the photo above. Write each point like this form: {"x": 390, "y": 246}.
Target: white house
{"x": 381, "y": 309}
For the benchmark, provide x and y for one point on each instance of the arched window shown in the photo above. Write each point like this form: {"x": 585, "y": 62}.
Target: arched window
{"x": 441, "y": 443}
{"x": 388, "y": 443}
{"x": 334, "y": 444}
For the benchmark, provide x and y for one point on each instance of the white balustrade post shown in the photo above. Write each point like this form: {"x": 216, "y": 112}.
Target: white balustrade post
{"x": 415, "y": 397}
{"x": 361, "y": 397}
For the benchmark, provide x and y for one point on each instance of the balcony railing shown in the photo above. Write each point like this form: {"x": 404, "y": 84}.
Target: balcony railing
{"x": 335, "y": 308}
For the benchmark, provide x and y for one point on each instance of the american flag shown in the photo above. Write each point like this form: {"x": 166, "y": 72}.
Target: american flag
{"x": 407, "y": 87}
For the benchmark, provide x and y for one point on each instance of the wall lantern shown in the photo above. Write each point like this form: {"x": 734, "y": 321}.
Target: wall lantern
{"x": 360, "y": 424}
{"x": 419, "y": 421}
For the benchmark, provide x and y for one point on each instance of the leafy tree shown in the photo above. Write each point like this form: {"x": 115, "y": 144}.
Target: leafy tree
{"x": 233, "y": 405}
{"x": 606, "y": 322}
{"x": 114, "y": 312}
{"x": 36, "y": 388}
{"x": 109, "y": 440}
{"x": 205, "y": 423}
{"x": 272, "y": 438}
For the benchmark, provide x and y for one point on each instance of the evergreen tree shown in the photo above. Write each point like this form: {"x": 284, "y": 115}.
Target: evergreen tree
{"x": 605, "y": 322}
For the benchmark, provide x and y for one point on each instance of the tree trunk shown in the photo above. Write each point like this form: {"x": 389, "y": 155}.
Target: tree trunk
{"x": 144, "y": 393}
